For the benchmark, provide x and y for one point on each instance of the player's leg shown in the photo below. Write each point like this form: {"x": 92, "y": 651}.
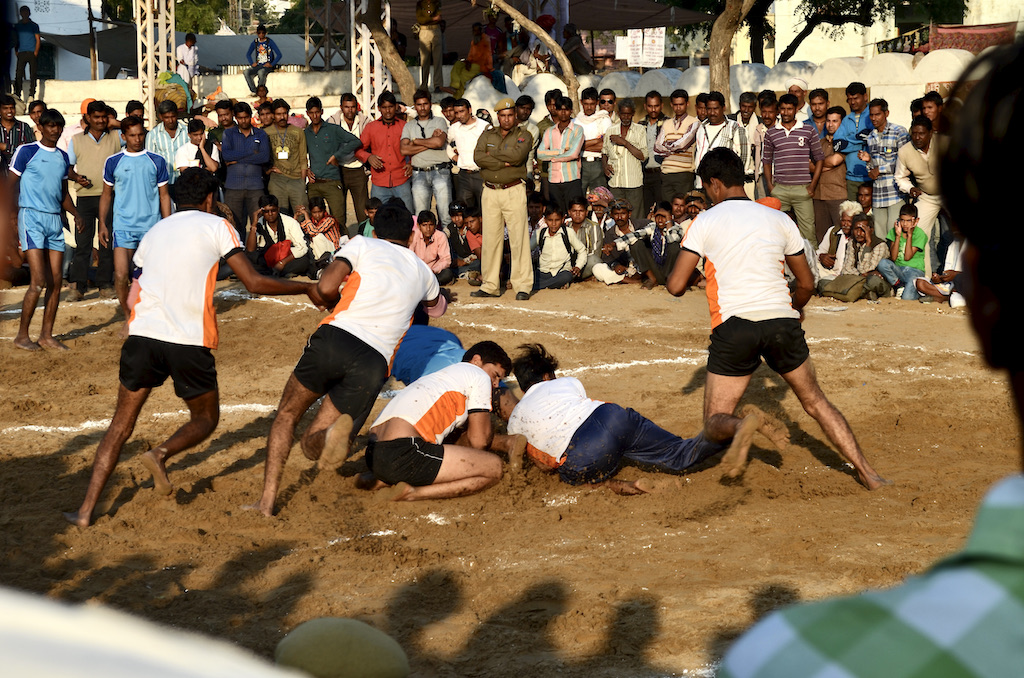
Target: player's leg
{"x": 463, "y": 471}
{"x": 54, "y": 265}
{"x": 204, "y": 411}
{"x": 38, "y": 270}
{"x": 122, "y": 269}
{"x": 295, "y": 400}
{"x": 129, "y": 404}
{"x": 805, "y": 385}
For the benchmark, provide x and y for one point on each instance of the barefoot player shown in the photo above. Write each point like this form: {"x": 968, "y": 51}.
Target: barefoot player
{"x": 375, "y": 285}
{"x": 753, "y": 314}
{"x": 38, "y": 178}
{"x": 407, "y": 448}
{"x": 172, "y": 329}
{"x": 584, "y": 440}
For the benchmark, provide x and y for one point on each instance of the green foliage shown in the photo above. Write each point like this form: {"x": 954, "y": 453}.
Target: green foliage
{"x": 199, "y": 16}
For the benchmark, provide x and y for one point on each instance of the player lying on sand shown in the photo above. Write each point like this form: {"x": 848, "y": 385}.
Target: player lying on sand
{"x": 584, "y": 440}
{"x": 407, "y": 448}
{"x": 172, "y": 329}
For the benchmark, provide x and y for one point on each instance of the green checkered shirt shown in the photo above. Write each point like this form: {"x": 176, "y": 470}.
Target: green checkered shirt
{"x": 964, "y": 617}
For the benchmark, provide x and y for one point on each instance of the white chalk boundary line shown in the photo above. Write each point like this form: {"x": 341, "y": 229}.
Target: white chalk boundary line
{"x": 97, "y": 424}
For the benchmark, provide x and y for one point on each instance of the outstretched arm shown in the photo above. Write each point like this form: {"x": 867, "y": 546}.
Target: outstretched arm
{"x": 262, "y": 284}
{"x": 685, "y": 264}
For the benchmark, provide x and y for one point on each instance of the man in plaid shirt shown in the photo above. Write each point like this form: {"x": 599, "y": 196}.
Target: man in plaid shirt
{"x": 965, "y": 616}
{"x": 883, "y": 145}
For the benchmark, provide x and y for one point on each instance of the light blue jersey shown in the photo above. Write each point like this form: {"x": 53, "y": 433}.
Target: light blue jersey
{"x": 136, "y": 179}
{"x": 43, "y": 172}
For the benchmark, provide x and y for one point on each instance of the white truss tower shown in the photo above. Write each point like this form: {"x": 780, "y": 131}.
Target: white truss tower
{"x": 155, "y": 30}
{"x": 369, "y": 76}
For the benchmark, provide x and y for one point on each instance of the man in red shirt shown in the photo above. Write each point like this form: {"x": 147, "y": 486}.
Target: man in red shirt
{"x": 382, "y": 141}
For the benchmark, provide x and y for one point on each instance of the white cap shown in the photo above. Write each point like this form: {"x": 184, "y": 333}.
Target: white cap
{"x": 800, "y": 82}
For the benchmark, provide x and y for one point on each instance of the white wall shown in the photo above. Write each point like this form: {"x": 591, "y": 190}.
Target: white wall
{"x": 994, "y": 11}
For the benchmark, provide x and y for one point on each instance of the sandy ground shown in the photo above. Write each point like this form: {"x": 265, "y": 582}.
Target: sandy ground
{"x": 532, "y": 577}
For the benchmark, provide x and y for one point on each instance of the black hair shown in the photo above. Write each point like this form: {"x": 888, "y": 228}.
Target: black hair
{"x": 265, "y": 106}
{"x": 314, "y": 102}
{"x": 839, "y": 110}
{"x": 535, "y": 198}
{"x": 167, "y": 106}
{"x": 908, "y": 210}
{"x": 551, "y": 96}
{"x": 421, "y": 94}
{"x": 126, "y": 124}
{"x": 37, "y": 102}
{"x": 788, "y": 100}
{"x": 427, "y": 216}
{"x": 879, "y": 103}
{"x": 195, "y": 125}
{"x": 474, "y": 212}
{"x": 933, "y": 97}
{"x": 532, "y": 365}
{"x": 589, "y": 93}
{"x": 663, "y": 205}
{"x": 51, "y": 116}
{"x": 552, "y": 208}
{"x": 916, "y": 107}
{"x": 280, "y": 103}
{"x": 268, "y": 200}
{"x": 190, "y": 36}
{"x": 766, "y": 95}
{"x": 133, "y": 105}
{"x": 110, "y": 111}
{"x": 318, "y": 201}
{"x": 447, "y": 102}
{"x": 386, "y": 97}
{"x": 818, "y": 93}
{"x": 456, "y": 207}
{"x": 462, "y": 103}
{"x": 374, "y": 204}
{"x": 261, "y": 29}
{"x": 578, "y": 200}
{"x": 241, "y": 107}
{"x": 7, "y": 100}
{"x": 562, "y": 103}
{"x": 348, "y": 96}
{"x": 716, "y": 96}
{"x": 868, "y": 185}
{"x": 922, "y": 121}
{"x": 96, "y": 107}
{"x": 723, "y": 164}
{"x": 855, "y": 88}
{"x": 489, "y": 352}
{"x": 223, "y": 104}
{"x": 606, "y": 91}
{"x": 702, "y": 98}
{"x": 526, "y": 100}
{"x": 393, "y": 222}
{"x": 653, "y": 94}
{"x": 193, "y": 185}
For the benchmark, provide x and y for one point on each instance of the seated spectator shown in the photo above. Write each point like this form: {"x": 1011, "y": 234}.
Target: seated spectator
{"x": 654, "y": 247}
{"x": 431, "y": 246}
{"x": 464, "y": 259}
{"x": 832, "y": 250}
{"x": 617, "y": 266}
{"x": 944, "y": 286}
{"x": 865, "y": 195}
{"x": 599, "y": 199}
{"x": 262, "y": 96}
{"x": 905, "y": 263}
{"x": 365, "y": 228}
{"x": 473, "y": 241}
{"x": 561, "y": 252}
{"x": 864, "y": 251}
{"x": 322, "y": 233}
{"x": 588, "y": 232}
{"x": 268, "y": 230}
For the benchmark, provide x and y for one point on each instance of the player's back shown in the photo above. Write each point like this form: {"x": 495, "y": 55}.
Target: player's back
{"x": 179, "y": 258}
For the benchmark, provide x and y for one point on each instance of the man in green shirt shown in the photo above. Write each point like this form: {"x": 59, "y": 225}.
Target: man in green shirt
{"x": 288, "y": 158}
{"x": 329, "y": 147}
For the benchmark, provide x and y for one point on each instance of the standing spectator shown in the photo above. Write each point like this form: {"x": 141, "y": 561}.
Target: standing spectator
{"x": 623, "y": 155}
{"x": 328, "y": 146}
{"x": 39, "y": 185}
{"x": 13, "y": 132}
{"x": 594, "y": 123}
{"x": 135, "y": 187}
{"x": 831, "y": 190}
{"x": 432, "y": 247}
{"x": 906, "y": 262}
{"x": 851, "y": 138}
{"x": 166, "y": 138}
{"x": 883, "y": 144}
{"x": 748, "y": 121}
{"x": 562, "y": 146}
{"x": 188, "y": 59}
{"x": 382, "y": 151}
{"x": 652, "y": 124}
{"x": 462, "y": 144}
{"x": 225, "y": 119}
{"x": 353, "y": 172}
{"x": 606, "y": 102}
{"x": 425, "y": 141}
{"x": 34, "y": 110}
{"x": 717, "y": 131}
{"x": 245, "y": 150}
{"x": 290, "y": 164}
{"x": 931, "y": 108}
{"x": 818, "y": 102}
{"x": 88, "y": 153}
{"x": 788, "y": 147}
{"x": 769, "y": 116}
{"x": 27, "y": 40}
{"x": 798, "y": 88}
{"x": 501, "y": 154}
{"x": 550, "y": 98}
{"x": 677, "y": 166}
{"x": 576, "y": 51}
{"x": 263, "y": 57}
{"x": 524, "y": 109}
{"x": 428, "y": 20}
{"x": 917, "y": 175}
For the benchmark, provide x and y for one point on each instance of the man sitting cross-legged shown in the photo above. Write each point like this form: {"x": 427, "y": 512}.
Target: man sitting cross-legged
{"x": 407, "y": 446}
{"x": 561, "y": 254}
{"x": 654, "y": 247}
{"x": 584, "y": 440}
{"x": 171, "y": 331}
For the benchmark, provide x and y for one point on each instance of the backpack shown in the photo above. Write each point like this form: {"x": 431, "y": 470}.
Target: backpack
{"x": 565, "y": 239}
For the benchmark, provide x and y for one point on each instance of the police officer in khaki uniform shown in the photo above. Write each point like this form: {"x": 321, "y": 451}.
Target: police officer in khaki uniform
{"x": 501, "y": 154}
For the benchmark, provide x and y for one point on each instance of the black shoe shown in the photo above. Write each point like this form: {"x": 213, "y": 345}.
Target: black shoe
{"x": 481, "y": 293}
{"x": 523, "y": 296}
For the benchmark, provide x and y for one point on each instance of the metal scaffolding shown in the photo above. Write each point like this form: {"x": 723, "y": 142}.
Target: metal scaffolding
{"x": 155, "y": 31}
{"x": 369, "y": 76}
{"x": 332, "y": 21}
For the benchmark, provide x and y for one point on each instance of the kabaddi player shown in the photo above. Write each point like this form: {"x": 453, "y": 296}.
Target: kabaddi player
{"x": 753, "y": 314}
{"x": 407, "y": 446}
{"x": 135, "y": 181}
{"x": 375, "y": 285}
{"x": 38, "y": 177}
{"x": 172, "y": 329}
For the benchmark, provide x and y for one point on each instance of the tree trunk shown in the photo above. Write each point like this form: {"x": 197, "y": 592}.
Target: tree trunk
{"x": 720, "y": 47}
{"x": 568, "y": 75}
{"x": 388, "y": 54}
{"x": 758, "y": 24}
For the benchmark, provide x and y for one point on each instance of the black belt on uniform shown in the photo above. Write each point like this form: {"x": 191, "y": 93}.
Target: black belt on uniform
{"x": 442, "y": 165}
{"x": 499, "y": 187}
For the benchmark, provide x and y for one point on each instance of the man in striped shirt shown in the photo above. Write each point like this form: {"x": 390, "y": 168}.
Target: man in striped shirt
{"x": 787, "y": 148}
{"x": 883, "y": 145}
{"x": 166, "y": 138}
{"x": 562, "y": 146}
{"x": 623, "y": 156}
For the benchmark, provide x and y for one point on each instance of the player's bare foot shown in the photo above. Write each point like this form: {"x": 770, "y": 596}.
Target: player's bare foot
{"x": 734, "y": 462}
{"x": 336, "y": 443}
{"x": 75, "y": 519}
{"x": 155, "y": 465}
{"x": 26, "y": 344}
{"x": 515, "y": 455}
{"x": 52, "y": 344}
{"x": 258, "y": 506}
{"x": 771, "y": 428}
{"x": 873, "y": 481}
{"x": 368, "y": 481}
{"x": 396, "y": 492}
{"x": 625, "y": 487}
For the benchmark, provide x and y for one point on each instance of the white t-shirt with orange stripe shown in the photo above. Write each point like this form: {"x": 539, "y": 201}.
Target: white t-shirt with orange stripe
{"x": 179, "y": 258}
{"x": 745, "y": 245}
{"x": 380, "y": 294}
{"x": 549, "y": 414}
{"x": 441, "y": 401}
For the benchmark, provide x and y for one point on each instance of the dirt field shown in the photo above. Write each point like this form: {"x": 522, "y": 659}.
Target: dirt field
{"x": 532, "y": 577}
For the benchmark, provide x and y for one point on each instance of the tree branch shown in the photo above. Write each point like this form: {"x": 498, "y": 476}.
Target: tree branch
{"x": 388, "y": 54}
{"x": 816, "y": 20}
